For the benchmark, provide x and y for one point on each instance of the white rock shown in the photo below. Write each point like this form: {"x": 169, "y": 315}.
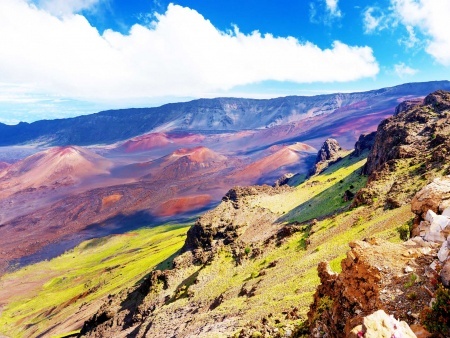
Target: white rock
{"x": 434, "y": 265}
{"x": 435, "y": 237}
{"x": 446, "y": 212}
{"x": 441, "y": 221}
{"x": 426, "y": 251}
{"x": 408, "y": 269}
{"x": 429, "y": 217}
{"x": 444, "y": 252}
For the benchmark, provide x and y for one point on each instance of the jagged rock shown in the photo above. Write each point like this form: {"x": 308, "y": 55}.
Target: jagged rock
{"x": 445, "y": 274}
{"x": 329, "y": 150}
{"x": 409, "y": 133}
{"x": 444, "y": 251}
{"x": 380, "y": 325}
{"x": 283, "y": 180}
{"x": 365, "y": 142}
{"x": 372, "y": 278}
{"x": 329, "y": 153}
{"x": 407, "y": 105}
{"x": 435, "y": 196}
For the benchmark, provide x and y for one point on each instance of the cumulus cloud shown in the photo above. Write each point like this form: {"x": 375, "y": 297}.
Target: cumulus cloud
{"x": 179, "y": 54}
{"x": 430, "y": 17}
{"x": 403, "y": 70}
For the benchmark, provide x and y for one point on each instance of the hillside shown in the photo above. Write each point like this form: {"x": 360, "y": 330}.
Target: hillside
{"x": 266, "y": 259}
{"x": 248, "y": 268}
{"x": 221, "y": 114}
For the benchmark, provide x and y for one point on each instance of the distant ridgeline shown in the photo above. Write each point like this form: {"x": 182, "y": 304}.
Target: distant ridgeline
{"x": 213, "y": 115}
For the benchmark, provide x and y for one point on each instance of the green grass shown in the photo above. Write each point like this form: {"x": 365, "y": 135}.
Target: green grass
{"x": 320, "y": 195}
{"x": 88, "y": 272}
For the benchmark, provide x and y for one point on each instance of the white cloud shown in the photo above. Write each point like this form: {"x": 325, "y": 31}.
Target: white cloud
{"x": 66, "y": 7}
{"x": 371, "y": 22}
{"x": 179, "y": 54}
{"x": 376, "y": 20}
{"x": 412, "y": 40}
{"x": 403, "y": 70}
{"x": 332, "y": 6}
{"x": 430, "y": 17}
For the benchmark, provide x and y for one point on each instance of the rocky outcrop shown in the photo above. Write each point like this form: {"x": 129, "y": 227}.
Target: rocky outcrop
{"x": 407, "y": 105}
{"x": 365, "y": 142}
{"x": 375, "y": 275}
{"x": 233, "y": 223}
{"x": 432, "y": 223}
{"x": 411, "y": 132}
{"x": 329, "y": 153}
{"x": 401, "y": 279}
{"x": 283, "y": 180}
{"x": 410, "y": 150}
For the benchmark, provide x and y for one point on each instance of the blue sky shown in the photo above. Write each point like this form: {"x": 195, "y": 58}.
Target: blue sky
{"x": 62, "y": 58}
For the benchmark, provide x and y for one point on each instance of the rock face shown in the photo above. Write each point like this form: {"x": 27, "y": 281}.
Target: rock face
{"x": 399, "y": 278}
{"x": 329, "y": 153}
{"x": 373, "y": 277}
{"x": 411, "y": 131}
{"x": 365, "y": 142}
{"x": 406, "y": 105}
{"x": 410, "y": 150}
{"x": 435, "y": 196}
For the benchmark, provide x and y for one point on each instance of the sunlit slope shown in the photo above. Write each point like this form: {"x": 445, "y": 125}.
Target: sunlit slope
{"x": 68, "y": 289}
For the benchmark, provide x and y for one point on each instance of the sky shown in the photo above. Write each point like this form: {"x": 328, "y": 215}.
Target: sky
{"x": 63, "y": 58}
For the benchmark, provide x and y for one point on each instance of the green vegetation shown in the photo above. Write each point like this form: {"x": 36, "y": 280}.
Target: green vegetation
{"x": 437, "y": 319}
{"x": 413, "y": 278}
{"x": 404, "y": 231}
{"x": 52, "y": 291}
{"x": 320, "y": 195}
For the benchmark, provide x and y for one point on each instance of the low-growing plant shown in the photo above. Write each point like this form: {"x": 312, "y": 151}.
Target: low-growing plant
{"x": 437, "y": 318}
{"x": 413, "y": 278}
{"x": 405, "y": 230}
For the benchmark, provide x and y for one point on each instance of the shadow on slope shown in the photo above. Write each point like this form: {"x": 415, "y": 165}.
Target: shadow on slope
{"x": 333, "y": 198}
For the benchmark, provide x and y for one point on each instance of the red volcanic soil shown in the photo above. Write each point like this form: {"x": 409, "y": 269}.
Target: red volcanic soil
{"x": 146, "y": 142}
{"x": 159, "y": 140}
{"x": 199, "y": 155}
{"x": 182, "y": 204}
{"x": 55, "y": 166}
{"x": 280, "y": 156}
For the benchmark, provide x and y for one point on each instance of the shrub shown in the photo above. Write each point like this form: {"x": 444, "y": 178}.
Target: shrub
{"x": 437, "y": 319}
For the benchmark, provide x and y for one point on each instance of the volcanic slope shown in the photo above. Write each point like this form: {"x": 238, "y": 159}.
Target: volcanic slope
{"x": 265, "y": 258}
{"x": 275, "y": 258}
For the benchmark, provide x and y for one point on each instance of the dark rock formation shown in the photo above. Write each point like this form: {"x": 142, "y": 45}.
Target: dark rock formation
{"x": 411, "y": 132}
{"x": 365, "y": 142}
{"x": 407, "y": 105}
{"x": 329, "y": 153}
{"x": 283, "y": 180}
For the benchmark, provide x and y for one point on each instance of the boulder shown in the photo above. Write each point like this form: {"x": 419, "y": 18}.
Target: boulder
{"x": 444, "y": 251}
{"x": 445, "y": 274}
{"x": 329, "y": 153}
{"x": 380, "y": 325}
{"x": 435, "y": 196}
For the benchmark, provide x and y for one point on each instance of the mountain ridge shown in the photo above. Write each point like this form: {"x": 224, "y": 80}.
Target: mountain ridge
{"x": 213, "y": 115}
